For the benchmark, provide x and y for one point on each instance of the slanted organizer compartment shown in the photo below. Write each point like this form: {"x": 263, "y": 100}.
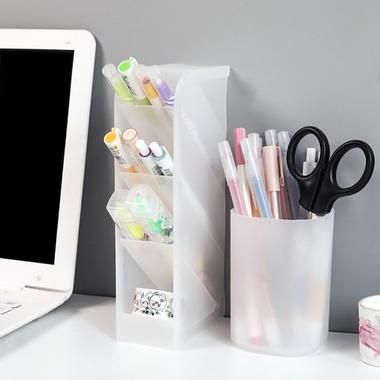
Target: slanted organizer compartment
{"x": 183, "y": 258}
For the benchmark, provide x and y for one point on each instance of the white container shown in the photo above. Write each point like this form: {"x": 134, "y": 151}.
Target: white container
{"x": 280, "y": 283}
{"x": 369, "y": 330}
{"x": 193, "y": 266}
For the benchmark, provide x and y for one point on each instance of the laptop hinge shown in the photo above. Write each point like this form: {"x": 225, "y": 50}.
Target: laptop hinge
{"x": 11, "y": 286}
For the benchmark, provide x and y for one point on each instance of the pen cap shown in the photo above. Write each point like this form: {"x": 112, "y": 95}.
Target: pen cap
{"x": 130, "y": 136}
{"x": 311, "y": 155}
{"x": 271, "y": 137}
{"x": 228, "y": 162}
{"x": 142, "y": 148}
{"x": 283, "y": 140}
{"x": 255, "y": 142}
{"x": 251, "y": 161}
{"x": 271, "y": 168}
{"x": 161, "y": 86}
{"x": 112, "y": 138}
{"x": 156, "y": 149}
{"x": 109, "y": 71}
{"x": 239, "y": 134}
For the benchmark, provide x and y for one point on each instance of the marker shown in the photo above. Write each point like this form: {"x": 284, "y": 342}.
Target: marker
{"x": 127, "y": 69}
{"x": 232, "y": 178}
{"x": 239, "y": 134}
{"x": 117, "y": 83}
{"x": 146, "y": 157}
{"x": 255, "y": 180}
{"x": 166, "y": 94}
{"x": 113, "y": 141}
{"x": 162, "y": 157}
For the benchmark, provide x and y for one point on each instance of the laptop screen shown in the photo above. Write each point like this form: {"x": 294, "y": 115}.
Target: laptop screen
{"x": 34, "y": 101}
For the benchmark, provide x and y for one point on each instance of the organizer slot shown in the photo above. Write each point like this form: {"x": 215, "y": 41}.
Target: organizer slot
{"x": 151, "y": 123}
{"x": 155, "y": 260}
{"x": 145, "y": 330}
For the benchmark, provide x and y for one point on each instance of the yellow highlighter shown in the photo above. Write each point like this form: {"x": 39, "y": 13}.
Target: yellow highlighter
{"x": 114, "y": 143}
{"x": 126, "y": 223}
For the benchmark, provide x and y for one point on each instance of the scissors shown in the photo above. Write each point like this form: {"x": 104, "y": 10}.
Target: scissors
{"x": 320, "y": 189}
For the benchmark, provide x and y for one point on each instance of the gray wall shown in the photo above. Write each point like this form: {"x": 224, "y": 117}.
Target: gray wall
{"x": 293, "y": 63}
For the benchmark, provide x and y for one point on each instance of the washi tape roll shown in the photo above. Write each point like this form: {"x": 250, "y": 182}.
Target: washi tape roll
{"x": 154, "y": 303}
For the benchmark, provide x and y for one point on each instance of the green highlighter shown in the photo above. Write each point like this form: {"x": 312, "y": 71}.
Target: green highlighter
{"x": 127, "y": 70}
{"x": 118, "y": 84}
{"x": 147, "y": 208}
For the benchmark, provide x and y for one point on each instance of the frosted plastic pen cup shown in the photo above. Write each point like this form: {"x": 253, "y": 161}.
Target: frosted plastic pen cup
{"x": 280, "y": 283}
{"x": 369, "y": 330}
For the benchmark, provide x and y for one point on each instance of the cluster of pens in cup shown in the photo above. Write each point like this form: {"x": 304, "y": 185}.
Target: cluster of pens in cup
{"x": 261, "y": 184}
{"x": 139, "y": 211}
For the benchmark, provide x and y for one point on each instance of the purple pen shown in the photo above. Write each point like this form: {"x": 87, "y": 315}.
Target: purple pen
{"x": 166, "y": 94}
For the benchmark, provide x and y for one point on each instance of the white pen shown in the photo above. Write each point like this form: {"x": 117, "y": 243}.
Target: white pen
{"x": 239, "y": 134}
{"x": 146, "y": 157}
{"x": 162, "y": 157}
{"x": 311, "y": 161}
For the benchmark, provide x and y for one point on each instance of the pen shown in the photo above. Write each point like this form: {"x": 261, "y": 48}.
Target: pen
{"x": 162, "y": 157}
{"x": 239, "y": 134}
{"x": 255, "y": 180}
{"x": 311, "y": 161}
{"x": 273, "y": 171}
{"x": 291, "y": 183}
{"x": 256, "y": 144}
{"x": 127, "y": 69}
{"x": 232, "y": 178}
{"x": 308, "y": 166}
{"x": 117, "y": 83}
{"x": 146, "y": 157}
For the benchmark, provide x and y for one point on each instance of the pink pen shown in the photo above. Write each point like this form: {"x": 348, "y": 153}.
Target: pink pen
{"x": 232, "y": 179}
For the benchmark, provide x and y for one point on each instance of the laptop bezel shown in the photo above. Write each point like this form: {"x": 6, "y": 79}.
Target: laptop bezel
{"x": 59, "y": 276}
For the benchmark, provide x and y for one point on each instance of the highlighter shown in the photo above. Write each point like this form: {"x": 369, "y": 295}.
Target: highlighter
{"x": 114, "y": 144}
{"x": 127, "y": 69}
{"x": 117, "y": 83}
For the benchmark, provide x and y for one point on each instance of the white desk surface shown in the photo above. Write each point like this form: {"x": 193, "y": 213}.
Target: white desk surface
{"x": 77, "y": 341}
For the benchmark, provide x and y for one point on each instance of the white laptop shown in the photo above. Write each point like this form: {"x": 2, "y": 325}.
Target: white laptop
{"x": 45, "y": 92}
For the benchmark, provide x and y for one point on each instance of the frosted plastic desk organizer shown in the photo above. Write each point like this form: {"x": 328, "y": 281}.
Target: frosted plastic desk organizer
{"x": 192, "y": 266}
{"x": 280, "y": 283}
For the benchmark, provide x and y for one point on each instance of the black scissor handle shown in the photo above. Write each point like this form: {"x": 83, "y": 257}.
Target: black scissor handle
{"x": 308, "y": 184}
{"x": 292, "y": 149}
{"x": 337, "y": 157}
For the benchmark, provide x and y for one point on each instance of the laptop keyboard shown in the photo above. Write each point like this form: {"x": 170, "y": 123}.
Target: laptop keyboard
{"x": 7, "y": 306}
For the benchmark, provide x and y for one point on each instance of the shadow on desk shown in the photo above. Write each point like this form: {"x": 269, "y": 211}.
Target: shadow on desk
{"x": 93, "y": 311}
